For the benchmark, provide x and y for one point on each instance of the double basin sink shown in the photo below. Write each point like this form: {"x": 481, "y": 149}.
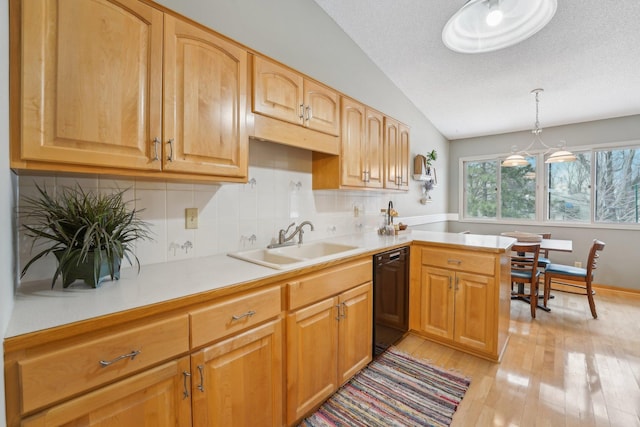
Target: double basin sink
{"x": 290, "y": 256}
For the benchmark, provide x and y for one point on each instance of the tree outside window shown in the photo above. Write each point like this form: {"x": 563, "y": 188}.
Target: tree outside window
{"x": 617, "y": 182}
{"x": 481, "y": 189}
{"x": 569, "y": 190}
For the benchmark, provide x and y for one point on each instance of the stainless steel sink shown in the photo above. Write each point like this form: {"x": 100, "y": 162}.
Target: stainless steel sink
{"x": 287, "y": 256}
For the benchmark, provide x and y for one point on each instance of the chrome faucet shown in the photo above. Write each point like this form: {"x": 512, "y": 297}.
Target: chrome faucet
{"x": 300, "y": 231}
{"x": 284, "y": 240}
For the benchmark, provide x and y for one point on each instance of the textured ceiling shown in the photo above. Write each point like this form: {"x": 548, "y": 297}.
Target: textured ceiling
{"x": 587, "y": 60}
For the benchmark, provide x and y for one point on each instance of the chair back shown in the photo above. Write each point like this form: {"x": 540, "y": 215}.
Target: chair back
{"x": 524, "y": 262}
{"x": 545, "y": 252}
{"x": 592, "y": 262}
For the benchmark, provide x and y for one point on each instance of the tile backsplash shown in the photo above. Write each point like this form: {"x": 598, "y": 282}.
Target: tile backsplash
{"x": 231, "y": 217}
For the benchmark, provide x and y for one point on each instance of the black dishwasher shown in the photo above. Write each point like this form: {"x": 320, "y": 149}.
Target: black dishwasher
{"x": 390, "y": 298}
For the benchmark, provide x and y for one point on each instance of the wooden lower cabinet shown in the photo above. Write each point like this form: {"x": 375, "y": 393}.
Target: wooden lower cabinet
{"x": 215, "y": 363}
{"x": 454, "y": 306}
{"x": 327, "y": 343}
{"x": 238, "y": 382}
{"x": 461, "y": 299}
{"x": 155, "y": 398}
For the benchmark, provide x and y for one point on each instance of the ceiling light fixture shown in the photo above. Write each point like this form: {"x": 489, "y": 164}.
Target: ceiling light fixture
{"x": 495, "y": 15}
{"x": 488, "y": 25}
{"x": 558, "y": 156}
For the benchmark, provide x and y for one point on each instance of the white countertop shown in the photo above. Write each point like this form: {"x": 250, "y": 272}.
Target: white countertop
{"x": 38, "y": 307}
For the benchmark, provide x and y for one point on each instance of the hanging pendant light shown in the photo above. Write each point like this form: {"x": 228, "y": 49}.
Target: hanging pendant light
{"x": 557, "y": 156}
{"x": 488, "y": 25}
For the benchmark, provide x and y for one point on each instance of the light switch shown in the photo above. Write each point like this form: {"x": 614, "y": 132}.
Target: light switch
{"x": 191, "y": 218}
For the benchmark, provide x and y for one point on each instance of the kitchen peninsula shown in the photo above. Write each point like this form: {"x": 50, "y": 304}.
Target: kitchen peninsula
{"x": 171, "y": 332}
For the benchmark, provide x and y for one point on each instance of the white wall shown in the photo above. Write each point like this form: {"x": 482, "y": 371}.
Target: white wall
{"x": 618, "y": 264}
{"x": 7, "y": 249}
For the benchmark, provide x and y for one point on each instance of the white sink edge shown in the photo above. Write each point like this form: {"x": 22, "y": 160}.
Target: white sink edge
{"x": 301, "y": 261}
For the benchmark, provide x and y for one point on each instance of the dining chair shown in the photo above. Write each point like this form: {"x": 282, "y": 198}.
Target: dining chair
{"x": 543, "y": 259}
{"x": 524, "y": 271}
{"x": 574, "y": 277}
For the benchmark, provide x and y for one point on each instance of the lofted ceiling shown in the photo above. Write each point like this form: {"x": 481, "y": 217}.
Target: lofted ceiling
{"x": 587, "y": 60}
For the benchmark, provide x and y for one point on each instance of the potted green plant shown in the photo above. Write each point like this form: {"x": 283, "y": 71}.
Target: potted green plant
{"x": 90, "y": 233}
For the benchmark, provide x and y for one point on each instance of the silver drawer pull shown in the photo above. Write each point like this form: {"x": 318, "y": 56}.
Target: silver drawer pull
{"x": 454, "y": 261}
{"x": 240, "y": 316}
{"x": 201, "y": 385}
{"x": 132, "y": 355}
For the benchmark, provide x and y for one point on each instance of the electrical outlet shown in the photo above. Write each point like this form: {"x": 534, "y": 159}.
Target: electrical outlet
{"x": 191, "y": 218}
{"x": 577, "y": 264}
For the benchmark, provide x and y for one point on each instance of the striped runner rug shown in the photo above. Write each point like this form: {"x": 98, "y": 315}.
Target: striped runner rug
{"x": 396, "y": 389}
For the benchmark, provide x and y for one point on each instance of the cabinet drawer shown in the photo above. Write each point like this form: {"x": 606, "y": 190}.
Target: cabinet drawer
{"x": 459, "y": 260}
{"x": 61, "y": 373}
{"x": 314, "y": 287}
{"x": 221, "y": 319}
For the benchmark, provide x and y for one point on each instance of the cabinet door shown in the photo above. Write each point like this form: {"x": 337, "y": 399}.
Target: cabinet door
{"x": 403, "y": 157}
{"x": 374, "y": 150}
{"x": 278, "y": 92}
{"x": 356, "y": 334}
{"x": 155, "y": 398}
{"x": 322, "y": 108}
{"x": 475, "y": 308}
{"x": 238, "y": 382}
{"x": 391, "y": 143}
{"x": 205, "y": 87}
{"x": 436, "y": 302}
{"x": 396, "y": 151}
{"x": 353, "y": 143}
{"x": 312, "y": 349}
{"x": 91, "y": 82}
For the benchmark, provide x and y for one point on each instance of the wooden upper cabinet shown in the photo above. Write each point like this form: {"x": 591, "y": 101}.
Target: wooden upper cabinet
{"x": 205, "y": 85}
{"x": 362, "y": 145}
{"x": 396, "y": 149}
{"x": 277, "y": 91}
{"x": 284, "y": 94}
{"x": 125, "y": 88}
{"x": 91, "y": 82}
{"x": 322, "y": 108}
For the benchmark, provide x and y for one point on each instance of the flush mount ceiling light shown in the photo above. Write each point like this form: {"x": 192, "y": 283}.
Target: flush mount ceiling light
{"x": 488, "y": 25}
{"x": 558, "y": 156}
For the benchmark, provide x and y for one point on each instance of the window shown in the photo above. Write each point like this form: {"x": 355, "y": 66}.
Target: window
{"x": 601, "y": 186}
{"x": 617, "y": 182}
{"x": 481, "y": 189}
{"x": 518, "y": 191}
{"x": 569, "y": 190}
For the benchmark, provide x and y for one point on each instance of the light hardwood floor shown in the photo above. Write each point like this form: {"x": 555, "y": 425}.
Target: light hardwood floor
{"x": 562, "y": 369}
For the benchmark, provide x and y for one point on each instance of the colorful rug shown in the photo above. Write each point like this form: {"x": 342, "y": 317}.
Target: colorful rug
{"x": 394, "y": 390}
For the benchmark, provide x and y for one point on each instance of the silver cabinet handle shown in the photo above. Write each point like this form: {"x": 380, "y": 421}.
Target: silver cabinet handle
{"x": 185, "y": 393}
{"x": 344, "y": 310}
{"x": 301, "y": 116}
{"x": 365, "y": 176}
{"x": 240, "y": 316}
{"x": 457, "y": 283}
{"x": 156, "y": 142}
{"x": 454, "y": 261}
{"x": 170, "y": 142}
{"x": 201, "y": 385}
{"x": 309, "y": 113}
{"x": 132, "y": 355}
{"x": 338, "y": 307}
